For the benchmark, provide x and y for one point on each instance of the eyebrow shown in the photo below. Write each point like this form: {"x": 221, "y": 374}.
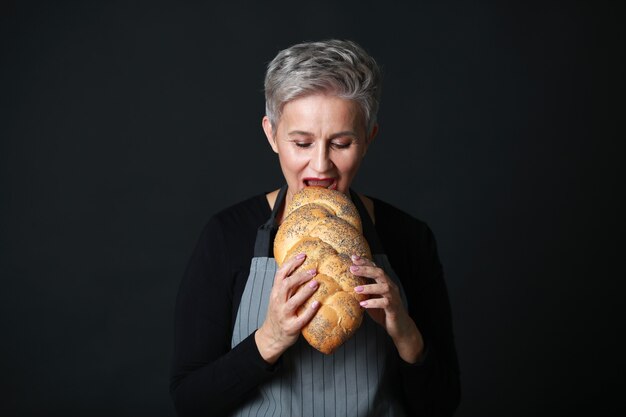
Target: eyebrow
{"x": 333, "y": 136}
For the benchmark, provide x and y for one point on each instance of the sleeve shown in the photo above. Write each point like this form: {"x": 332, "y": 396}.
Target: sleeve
{"x": 432, "y": 386}
{"x": 208, "y": 378}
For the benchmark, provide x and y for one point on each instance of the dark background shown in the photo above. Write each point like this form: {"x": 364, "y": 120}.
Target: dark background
{"x": 125, "y": 125}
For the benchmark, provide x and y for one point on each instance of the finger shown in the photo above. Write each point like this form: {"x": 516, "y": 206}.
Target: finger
{"x": 302, "y": 295}
{"x": 306, "y": 315}
{"x": 369, "y": 272}
{"x": 288, "y": 267}
{"x": 361, "y": 260}
{"x": 382, "y": 302}
{"x": 374, "y": 289}
{"x": 291, "y": 284}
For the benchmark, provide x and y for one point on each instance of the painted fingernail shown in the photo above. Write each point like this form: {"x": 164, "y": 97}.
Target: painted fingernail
{"x": 313, "y": 284}
{"x": 300, "y": 256}
{"x": 358, "y": 289}
{"x": 312, "y": 272}
{"x": 354, "y": 268}
{"x": 315, "y": 304}
{"x": 363, "y": 303}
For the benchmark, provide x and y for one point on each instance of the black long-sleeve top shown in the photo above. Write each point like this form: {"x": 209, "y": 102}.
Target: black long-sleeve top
{"x": 209, "y": 378}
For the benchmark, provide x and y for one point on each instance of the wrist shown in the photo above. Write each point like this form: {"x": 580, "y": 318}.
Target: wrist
{"x": 411, "y": 345}
{"x": 267, "y": 346}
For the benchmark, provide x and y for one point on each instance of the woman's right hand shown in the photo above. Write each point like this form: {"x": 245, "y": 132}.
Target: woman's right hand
{"x": 282, "y": 325}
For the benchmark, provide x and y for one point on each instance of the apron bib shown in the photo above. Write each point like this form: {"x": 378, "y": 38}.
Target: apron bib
{"x": 353, "y": 381}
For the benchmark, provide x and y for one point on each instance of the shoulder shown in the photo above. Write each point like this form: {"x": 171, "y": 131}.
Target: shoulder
{"x": 237, "y": 223}
{"x": 409, "y": 244}
{"x": 391, "y": 217}
{"x": 401, "y": 232}
{"x": 249, "y": 213}
{"x": 229, "y": 234}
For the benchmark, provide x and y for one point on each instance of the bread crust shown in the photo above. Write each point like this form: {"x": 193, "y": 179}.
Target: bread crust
{"x": 326, "y": 226}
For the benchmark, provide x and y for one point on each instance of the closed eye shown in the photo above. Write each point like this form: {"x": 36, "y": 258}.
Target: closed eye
{"x": 341, "y": 145}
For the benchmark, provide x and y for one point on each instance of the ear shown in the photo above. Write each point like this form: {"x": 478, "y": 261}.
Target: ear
{"x": 269, "y": 133}
{"x": 370, "y": 138}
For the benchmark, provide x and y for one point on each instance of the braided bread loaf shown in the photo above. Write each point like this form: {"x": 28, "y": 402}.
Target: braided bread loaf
{"x": 326, "y": 226}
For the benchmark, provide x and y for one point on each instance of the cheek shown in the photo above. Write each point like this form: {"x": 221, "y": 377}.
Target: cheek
{"x": 349, "y": 163}
{"x": 291, "y": 160}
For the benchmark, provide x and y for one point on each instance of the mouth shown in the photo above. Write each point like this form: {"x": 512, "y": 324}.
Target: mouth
{"x": 330, "y": 183}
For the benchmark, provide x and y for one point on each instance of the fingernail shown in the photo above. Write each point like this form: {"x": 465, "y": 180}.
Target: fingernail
{"x": 311, "y": 272}
{"x": 313, "y": 284}
{"x": 354, "y": 268}
{"x": 315, "y": 304}
{"x": 355, "y": 257}
{"x": 363, "y": 303}
{"x": 300, "y": 256}
{"x": 358, "y": 289}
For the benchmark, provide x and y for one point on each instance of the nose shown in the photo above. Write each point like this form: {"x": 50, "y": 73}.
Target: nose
{"x": 320, "y": 160}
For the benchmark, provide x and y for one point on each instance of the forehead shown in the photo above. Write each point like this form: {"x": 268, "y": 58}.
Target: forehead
{"x": 317, "y": 111}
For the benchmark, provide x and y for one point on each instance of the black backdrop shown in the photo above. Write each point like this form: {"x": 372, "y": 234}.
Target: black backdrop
{"x": 125, "y": 125}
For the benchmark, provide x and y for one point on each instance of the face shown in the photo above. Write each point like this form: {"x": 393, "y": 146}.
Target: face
{"x": 320, "y": 140}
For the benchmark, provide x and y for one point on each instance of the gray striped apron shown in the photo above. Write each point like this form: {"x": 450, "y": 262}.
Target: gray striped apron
{"x": 353, "y": 381}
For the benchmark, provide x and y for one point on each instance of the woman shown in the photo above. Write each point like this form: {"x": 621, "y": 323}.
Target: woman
{"x": 238, "y": 350}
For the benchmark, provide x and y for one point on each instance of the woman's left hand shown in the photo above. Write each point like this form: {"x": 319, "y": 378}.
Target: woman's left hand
{"x": 385, "y": 307}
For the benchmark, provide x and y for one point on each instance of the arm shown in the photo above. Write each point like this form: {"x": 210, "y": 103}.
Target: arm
{"x": 208, "y": 378}
{"x": 436, "y": 378}
{"x": 429, "y": 371}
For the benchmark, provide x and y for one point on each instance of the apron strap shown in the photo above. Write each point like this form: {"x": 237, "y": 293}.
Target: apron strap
{"x": 266, "y": 232}
{"x": 369, "y": 230}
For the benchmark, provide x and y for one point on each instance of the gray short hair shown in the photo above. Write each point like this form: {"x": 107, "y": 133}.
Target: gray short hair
{"x": 337, "y": 67}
